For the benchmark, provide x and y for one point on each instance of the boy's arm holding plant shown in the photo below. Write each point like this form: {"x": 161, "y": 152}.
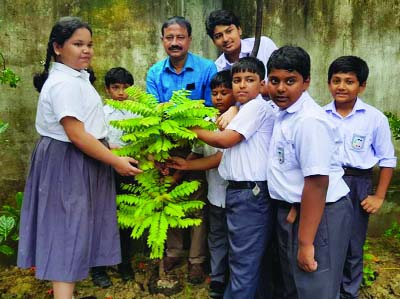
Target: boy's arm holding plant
{"x": 224, "y": 119}
{"x": 220, "y": 139}
{"x": 204, "y": 163}
{"x": 373, "y": 203}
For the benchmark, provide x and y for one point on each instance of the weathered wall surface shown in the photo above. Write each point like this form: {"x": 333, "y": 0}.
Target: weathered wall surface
{"x": 126, "y": 33}
{"x": 328, "y": 29}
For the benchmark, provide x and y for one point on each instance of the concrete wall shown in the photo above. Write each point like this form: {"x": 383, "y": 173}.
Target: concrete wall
{"x": 126, "y": 33}
{"x": 328, "y": 29}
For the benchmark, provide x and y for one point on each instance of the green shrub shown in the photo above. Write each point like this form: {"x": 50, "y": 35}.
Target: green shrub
{"x": 9, "y": 225}
{"x": 156, "y": 203}
{"x": 394, "y": 123}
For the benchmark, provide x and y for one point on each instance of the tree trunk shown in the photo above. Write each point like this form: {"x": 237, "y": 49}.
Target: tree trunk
{"x": 259, "y": 15}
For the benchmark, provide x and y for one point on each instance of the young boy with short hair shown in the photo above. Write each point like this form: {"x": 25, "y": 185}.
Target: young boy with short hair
{"x": 367, "y": 142}
{"x": 222, "y": 99}
{"x": 305, "y": 177}
{"x": 116, "y": 81}
{"x": 244, "y": 160}
{"x": 223, "y": 27}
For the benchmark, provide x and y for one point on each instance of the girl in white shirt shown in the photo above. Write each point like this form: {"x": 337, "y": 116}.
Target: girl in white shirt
{"x": 68, "y": 218}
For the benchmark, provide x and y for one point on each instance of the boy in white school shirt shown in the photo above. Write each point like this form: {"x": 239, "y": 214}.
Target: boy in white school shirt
{"x": 305, "y": 177}
{"x": 367, "y": 141}
{"x": 243, "y": 165}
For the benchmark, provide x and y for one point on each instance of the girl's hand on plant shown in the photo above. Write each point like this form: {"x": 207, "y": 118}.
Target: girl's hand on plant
{"x": 125, "y": 166}
{"x": 177, "y": 163}
{"x": 372, "y": 204}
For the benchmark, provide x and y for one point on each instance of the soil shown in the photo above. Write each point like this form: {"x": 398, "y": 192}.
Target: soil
{"x": 17, "y": 283}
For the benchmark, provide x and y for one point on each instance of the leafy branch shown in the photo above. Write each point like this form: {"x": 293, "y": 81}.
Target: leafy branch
{"x": 155, "y": 203}
{"x": 7, "y": 76}
{"x": 394, "y": 123}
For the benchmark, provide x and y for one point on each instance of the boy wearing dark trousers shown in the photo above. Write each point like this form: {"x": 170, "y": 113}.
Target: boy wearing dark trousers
{"x": 367, "y": 142}
{"x": 206, "y": 157}
{"x": 305, "y": 177}
{"x": 244, "y": 160}
{"x": 116, "y": 81}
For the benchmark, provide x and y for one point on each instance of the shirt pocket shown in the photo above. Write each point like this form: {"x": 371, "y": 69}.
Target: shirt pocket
{"x": 285, "y": 155}
{"x": 359, "y": 141}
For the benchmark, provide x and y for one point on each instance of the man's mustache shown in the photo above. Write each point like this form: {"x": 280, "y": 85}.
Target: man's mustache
{"x": 172, "y": 48}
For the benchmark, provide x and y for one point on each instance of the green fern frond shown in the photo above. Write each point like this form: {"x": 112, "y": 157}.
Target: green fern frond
{"x": 149, "y": 138}
{"x": 188, "y": 122}
{"x": 192, "y": 205}
{"x": 134, "y": 124}
{"x": 187, "y": 222}
{"x": 174, "y": 210}
{"x": 128, "y": 199}
{"x": 137, "y": 94}
{"x": 184, "y": 189}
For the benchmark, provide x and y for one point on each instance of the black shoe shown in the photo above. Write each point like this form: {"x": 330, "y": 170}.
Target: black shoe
{"x": 100, "y": 277}
{"x": 217, "y": 290}
{"x": 126, "y": 272}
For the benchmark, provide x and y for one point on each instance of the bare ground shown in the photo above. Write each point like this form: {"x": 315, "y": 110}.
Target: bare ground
{"x": 17, "y": 283}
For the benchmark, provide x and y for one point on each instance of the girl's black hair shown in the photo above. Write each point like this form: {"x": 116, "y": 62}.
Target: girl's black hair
{"x": 60, "y": 32}
{"x": 222, "y": 78}
{"x": 290, "y": 58}
{"x": 349, "y": 64}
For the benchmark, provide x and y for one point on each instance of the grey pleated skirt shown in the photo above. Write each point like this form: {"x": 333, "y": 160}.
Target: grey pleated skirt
{"x": 68, "y": 218}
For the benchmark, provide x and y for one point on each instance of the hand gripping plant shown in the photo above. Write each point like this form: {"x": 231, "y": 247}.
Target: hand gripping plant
{"x": 155, "y": 203}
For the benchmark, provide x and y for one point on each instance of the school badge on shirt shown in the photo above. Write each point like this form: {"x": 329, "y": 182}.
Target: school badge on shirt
{"x": 281, "y": 154}
{"x": 357, "y": 142}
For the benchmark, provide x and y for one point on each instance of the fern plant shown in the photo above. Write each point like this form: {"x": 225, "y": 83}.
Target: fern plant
{"x": 155, "y": 203}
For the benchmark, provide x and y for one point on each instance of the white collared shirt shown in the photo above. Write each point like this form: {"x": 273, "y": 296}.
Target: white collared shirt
{"x": 267, "y": 46}
{"x": 114, "y": 135}
{"x": 216, "y": 184}
{"x": 304, "y": 143}
{"x": 247, "y": 160}
{"x": 68, "y": 92}
{"x": 366, "y": 134}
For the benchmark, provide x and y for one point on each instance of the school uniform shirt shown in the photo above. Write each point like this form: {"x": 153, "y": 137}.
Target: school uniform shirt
{"x": 366, "y": 134}
{"x": 267, "y": 46}
{"x": 247, "y": 160}
{"x": 68, "y": 92}
{"x": 195, "y": 76}
{"x": 216, "y": 184}
{"x": 114, "y": 135}
{"x": 304, "y": 143}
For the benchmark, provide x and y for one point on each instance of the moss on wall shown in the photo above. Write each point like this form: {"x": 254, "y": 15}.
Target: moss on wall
{"x": 329, "y": 29}
{"x": 125, "y": 33}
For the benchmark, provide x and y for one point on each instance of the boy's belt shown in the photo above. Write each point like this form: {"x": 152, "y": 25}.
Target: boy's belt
{"x": 351, "y": 171}
{"x": 287, "y": 205}
{"x": 241, "y": 184}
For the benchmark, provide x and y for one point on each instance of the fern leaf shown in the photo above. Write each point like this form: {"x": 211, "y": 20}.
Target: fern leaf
{"x": 187, "y": 222}
{"x": 184, "y": 189}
